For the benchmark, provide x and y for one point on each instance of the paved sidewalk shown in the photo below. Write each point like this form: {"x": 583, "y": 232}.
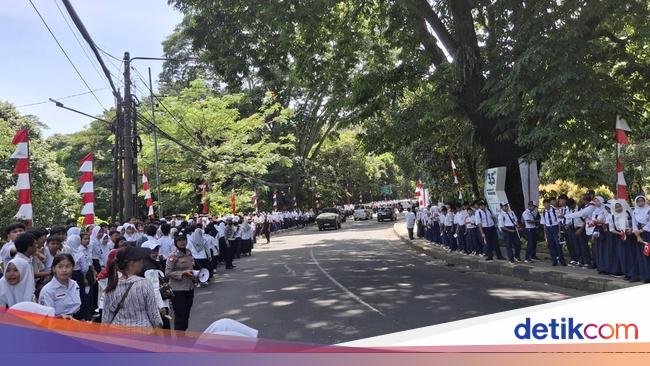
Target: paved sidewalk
{"x": 578, "y": 278}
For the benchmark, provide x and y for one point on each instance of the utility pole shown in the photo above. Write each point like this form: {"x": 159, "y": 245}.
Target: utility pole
{"x": 127, "y": 141}
{"x": 155, "y": 146}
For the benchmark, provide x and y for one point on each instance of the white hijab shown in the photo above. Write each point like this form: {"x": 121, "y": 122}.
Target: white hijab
{"x": 23, "y": 290}
{"x": 130, "y": 237}
{"x": 73, "y": 242}
{"x": 641, "y": 214}
{"x": 93, "y": 237}
{"x": 74, "y": 231}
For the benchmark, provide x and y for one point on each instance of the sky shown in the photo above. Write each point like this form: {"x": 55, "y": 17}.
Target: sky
{"x": 33, "y": 68}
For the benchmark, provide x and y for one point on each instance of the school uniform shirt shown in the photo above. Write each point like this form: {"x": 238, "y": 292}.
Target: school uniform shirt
{"x": 640, "y": 216}
{"x": 459, "y": 218}
{"x": 563, "y": 211}
{"x": 577, "y": 222}
{"x": 82, "y": 259}
{"x": 549, "y": 217}
{"x": 483, "y": 218}
{"x": 196, "y": 244}
{"x": 528, "y": 215}
{"x": 470, "y": 222}
{"x": 5, "y": 252}
{"x": 449, "y": 219}
{"x": 410, "y": 220}
{"x": 246, "y": 232}
{"x": 506, "y": 219}
{"x": 49, "y": 258}
{"x": 102, "y": 252}
{"x": 64, "y": 299}
{"x": 166, "y": 246}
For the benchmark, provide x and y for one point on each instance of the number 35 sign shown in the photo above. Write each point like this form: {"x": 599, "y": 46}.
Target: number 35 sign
{"x": 495, "y": 182}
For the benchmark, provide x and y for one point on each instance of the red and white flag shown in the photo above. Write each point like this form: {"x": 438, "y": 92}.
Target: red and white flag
{"x": 275, "y": 201}
{"x": 233, "y": 204}
{"x": 254, "y": 198}
{"x": 205, "y": 202}
{"x": 317, "y": 195}
{"x": 419, "y": 192}
{"x": 23, "y": 184}
{"x": 87, "y": 190}
{"x": 454, "y": 173}
{"x": 621, "y": 139}
{"x": 147, "y": 194}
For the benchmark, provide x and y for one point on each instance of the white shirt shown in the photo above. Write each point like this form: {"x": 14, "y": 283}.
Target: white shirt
{"x": 506, "y": 219}
{"x": 5, "y": 252}
{"x": 82, "y": 259}
{"x": 410, "y": 220}
{"x": 246, "y": 234}
{"x": 166, "y": 246}
{"x": 640, "y": 216}
{"x": 449, "y": 219}
{"x": 577, "y": 222}
{"x": 549, "y": 217}
{"x": 64, "y": 299}
{"x": 470, "y": 222}
{"x": 483, "y": 218}
{"x": 459, "y": 218}
{"x": 528, "y": 216}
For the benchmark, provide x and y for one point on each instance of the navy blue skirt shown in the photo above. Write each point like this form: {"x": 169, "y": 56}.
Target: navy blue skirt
{"x": 643, "y": 261}
{"x": 608, "y": 256}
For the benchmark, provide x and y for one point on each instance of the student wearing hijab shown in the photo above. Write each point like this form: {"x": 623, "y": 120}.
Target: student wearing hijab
{"x": 246, "y": 238}
{"x": 612, "y": 250}
{"x": 181, "y": 279}
{"x": 62, "y": 292}
{"x": 95, "y": 247}
{"x": 130, "y": 233}
{"x": 129, "y": 299}
{"x": 152, "y": 270}
{"x": 640, "y": 221}
{"x": 17, "y": 284}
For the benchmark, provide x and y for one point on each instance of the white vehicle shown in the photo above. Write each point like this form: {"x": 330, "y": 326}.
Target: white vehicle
{"x": 362, "y": 213}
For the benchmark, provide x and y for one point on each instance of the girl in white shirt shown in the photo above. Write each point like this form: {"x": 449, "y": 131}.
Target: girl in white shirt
{"x": 62, "y": 292}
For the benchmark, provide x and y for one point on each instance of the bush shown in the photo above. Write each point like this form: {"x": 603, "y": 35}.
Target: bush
{"x": 571, "y": 189}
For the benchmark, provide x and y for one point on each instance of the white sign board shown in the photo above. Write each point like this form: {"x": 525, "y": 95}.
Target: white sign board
{"x": 529, "y": 181}
{"x": 495, "y": 183}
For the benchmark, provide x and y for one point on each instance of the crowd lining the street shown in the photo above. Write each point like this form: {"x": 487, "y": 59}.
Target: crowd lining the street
{"x": 138, "y": 274}
{"x": 607, "y": 236}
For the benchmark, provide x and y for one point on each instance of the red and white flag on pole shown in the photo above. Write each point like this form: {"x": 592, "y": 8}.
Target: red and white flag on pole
{"x": 317, "y": 195}
{"x": 254, "y": 198}
{"x": 147, "y": 194}
{"x": 275, "y": 201}
{"x": 23, "y": 184}
{"x": 233, "y": 203}
{"x": 454, "y": 172}
{"x": 621, "y": 139}
{"x": 87, "y": 190}
{"x": 205, "y": 203}
{"x": 419, "y": 192}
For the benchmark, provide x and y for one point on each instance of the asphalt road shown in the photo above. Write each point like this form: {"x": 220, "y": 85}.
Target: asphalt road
{"x": 361, "y": 281}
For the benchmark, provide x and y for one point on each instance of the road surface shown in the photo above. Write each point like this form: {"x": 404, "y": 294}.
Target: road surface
{"x": 357, "y": 282}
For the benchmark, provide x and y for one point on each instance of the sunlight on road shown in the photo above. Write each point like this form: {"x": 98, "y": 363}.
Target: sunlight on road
{"x": 518, "y": 294}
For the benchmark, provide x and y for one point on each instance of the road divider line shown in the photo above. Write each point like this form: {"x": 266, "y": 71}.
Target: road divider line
{"x": 343, "y": 288}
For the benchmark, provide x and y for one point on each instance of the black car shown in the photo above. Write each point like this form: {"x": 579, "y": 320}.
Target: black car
{"x": 386, "y": 213}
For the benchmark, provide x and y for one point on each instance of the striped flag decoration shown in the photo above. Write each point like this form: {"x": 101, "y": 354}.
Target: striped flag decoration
{"x": 254, "y": 198}
{"x": 275, "y": 201}
{"x": 147, "y": 194}
{"x": 295, "y": 202}
{"x": 317, "y": 195}
{"x": 621, "y": 139}
{"x": 23, "y": 184}
{"x": 419, "y": 192}
{"x": 87, "y": 190}
{"x": 454, "y": 172}
{"x": 233, "y": 202}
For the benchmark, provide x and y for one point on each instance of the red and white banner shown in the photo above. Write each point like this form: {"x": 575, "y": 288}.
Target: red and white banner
{"x": 420, "y": 193}
{"x": 233, "y": 203}
{"x": 87, "y": 190}
{"x": 275, "y": 201}
{"x": 621, "y": 139}
{"x": 147, "y": 194}
{"x": 454, "y": 173}
{"x": 254, "y": 198}
{"x": 23, "y": 184}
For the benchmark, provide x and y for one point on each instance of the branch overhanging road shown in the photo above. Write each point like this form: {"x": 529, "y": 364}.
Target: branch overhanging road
{"x": 358, "y": 282}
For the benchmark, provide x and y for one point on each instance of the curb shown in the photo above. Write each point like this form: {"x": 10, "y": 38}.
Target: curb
{"x": 526, "y": 272}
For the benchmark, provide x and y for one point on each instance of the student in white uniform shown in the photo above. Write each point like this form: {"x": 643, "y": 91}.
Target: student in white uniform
{"x": 410, "y": 222}
{"x": 552, "y": 233}
{"x": 62, "y": 292}
{"x": 508, "y": 226}
{"x": 530, "y": 218}
{"x": 8, "y": 249}
{"x": 487, "y": 231}
{"x": 459, "y": 222}
{"x": 17, "y": 284}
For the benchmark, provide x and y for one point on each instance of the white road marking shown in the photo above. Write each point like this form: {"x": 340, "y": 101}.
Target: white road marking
{"x": 343, "y": 288}
{"x": 289, "y": 270}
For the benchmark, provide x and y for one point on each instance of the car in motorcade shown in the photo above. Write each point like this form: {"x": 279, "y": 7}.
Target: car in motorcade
{"x": 386, "y": 213}
{"x": 362, "y": 213}
{"x": 329, "y": 218}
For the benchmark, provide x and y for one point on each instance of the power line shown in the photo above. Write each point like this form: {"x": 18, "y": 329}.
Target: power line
{"x": 66, "y": 97}
{"x": 66, "y": 54}
{"x": 83, "y": 49}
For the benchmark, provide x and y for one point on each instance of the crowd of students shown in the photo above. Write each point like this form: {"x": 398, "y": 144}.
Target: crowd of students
{"x": 140, "y": 274}
{"x": 608, "y": 236}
